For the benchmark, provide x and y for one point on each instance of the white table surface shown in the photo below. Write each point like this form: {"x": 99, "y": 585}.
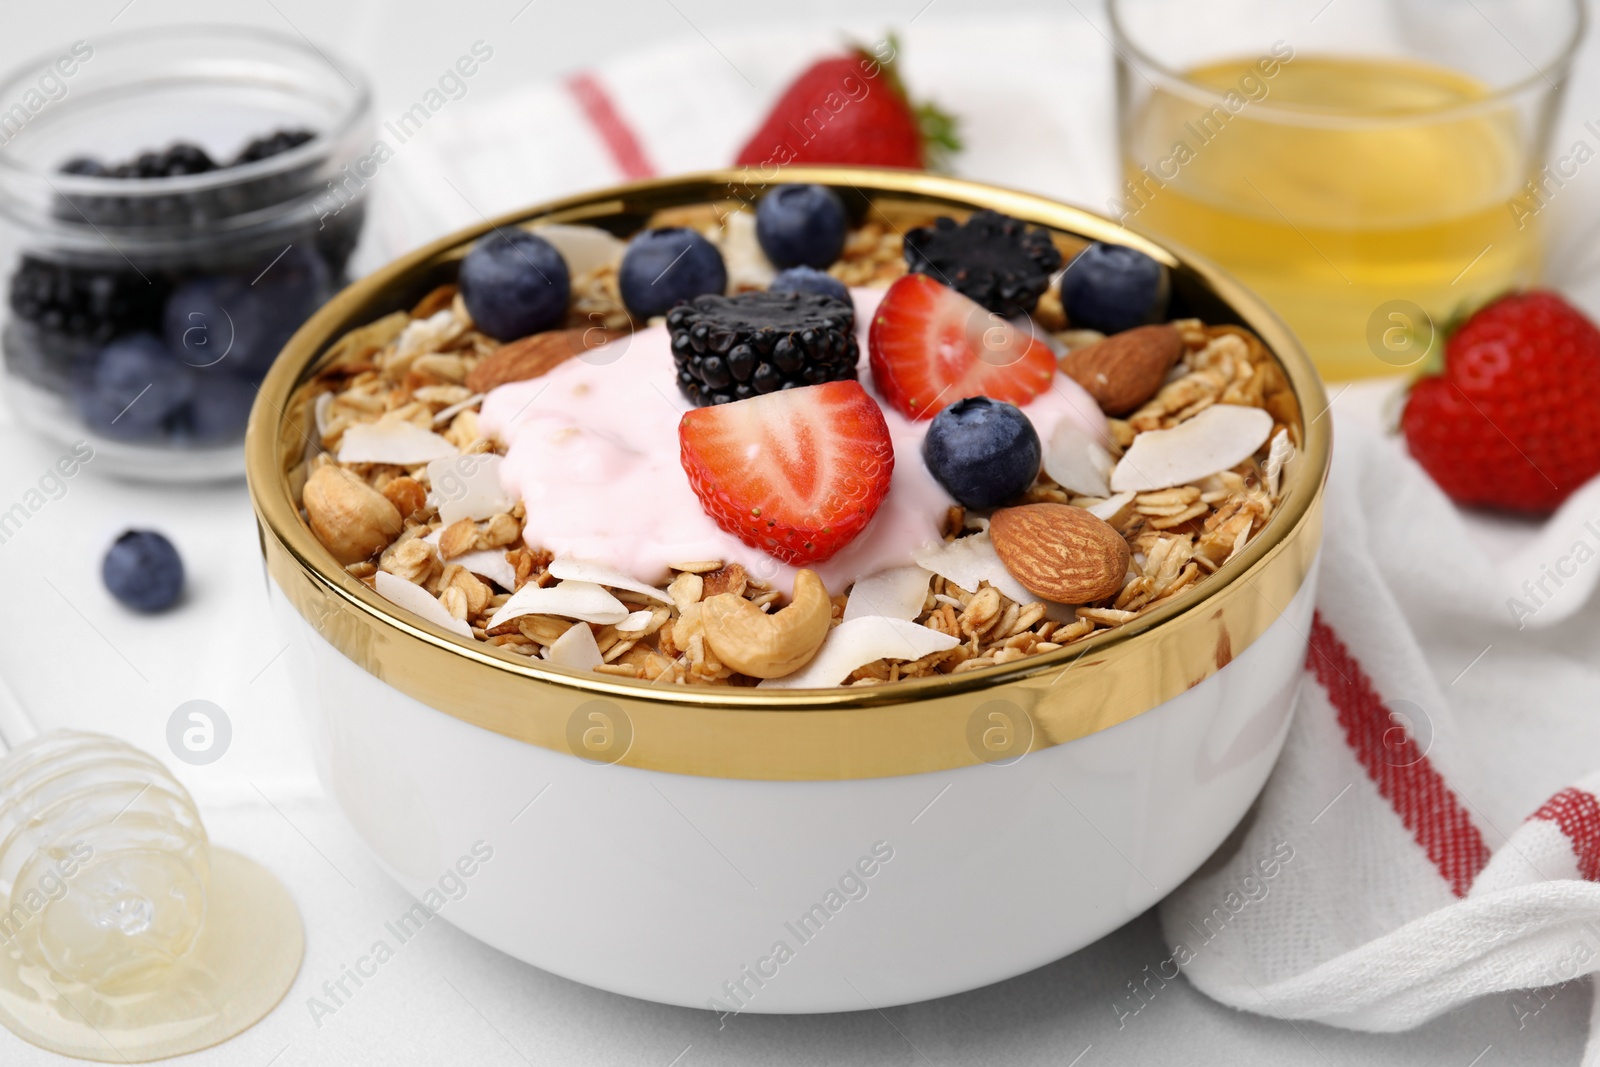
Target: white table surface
{"x": 77, "y": 659}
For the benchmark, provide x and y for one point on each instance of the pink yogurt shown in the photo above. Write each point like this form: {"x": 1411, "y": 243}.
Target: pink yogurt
{"x": 593, "y": 455}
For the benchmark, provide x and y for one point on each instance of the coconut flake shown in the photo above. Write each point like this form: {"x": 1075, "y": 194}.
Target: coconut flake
{"x": 970, "y": 561}
{"x": 404, "y": 444}
{"x": 896, "y": 594}
{"x": 445, "y": 415}
{"x": 319, "y": 411}
{"x": 468, "y": 487}
{"x": 568, "y": 600}
{"x": 490, "y": 563}
{"x": 748, "y": 266}
{"x": 588, "y": 570}
{"x": 1278, "y": 454}
{"x": 584, "y": 248}
{"x": 422, "y": 336}
{"x": 1218, "y": 439}
{"x": 415, "y": 599}
{"x": 1077, "y": 462}
{"x": 861, "y": 641}
{"x": 576, "y": 649}
{"x": 1112, "y": 508}
{"x": 635, "y": 622}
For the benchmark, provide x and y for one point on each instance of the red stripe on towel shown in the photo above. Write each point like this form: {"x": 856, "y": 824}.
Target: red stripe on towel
{"x": 1577, "y": 814}
{"x": 626, "y": 151}
{"x": 1396, "y": 764}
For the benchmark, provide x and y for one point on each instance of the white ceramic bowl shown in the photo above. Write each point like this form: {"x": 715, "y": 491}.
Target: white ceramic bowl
{"x": 795, "y": 851}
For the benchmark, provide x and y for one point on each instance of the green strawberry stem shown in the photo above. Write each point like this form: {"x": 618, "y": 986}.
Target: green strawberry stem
{"x": 940, "y": 130}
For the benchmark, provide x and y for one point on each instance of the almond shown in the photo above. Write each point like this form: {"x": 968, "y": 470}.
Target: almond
{"x": 536, "y": 355}
{"x": 1126, "y": 369}
{"x": 1059, "y": 552}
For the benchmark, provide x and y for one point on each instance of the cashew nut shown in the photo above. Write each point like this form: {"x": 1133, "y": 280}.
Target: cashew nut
{"x": 352, "y": 519}
{"x": 769, "y": 646}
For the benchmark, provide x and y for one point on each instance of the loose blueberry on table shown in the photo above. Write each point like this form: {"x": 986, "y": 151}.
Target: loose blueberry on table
{"x": 143, "y": 571}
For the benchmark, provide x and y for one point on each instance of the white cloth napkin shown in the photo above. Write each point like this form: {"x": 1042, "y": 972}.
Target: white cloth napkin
{"x": 1432, "y": 831}
{"x": 1410, "y": 870}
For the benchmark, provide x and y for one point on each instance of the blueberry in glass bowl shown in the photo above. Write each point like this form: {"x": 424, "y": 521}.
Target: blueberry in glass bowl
{"x": 170, "y": 222}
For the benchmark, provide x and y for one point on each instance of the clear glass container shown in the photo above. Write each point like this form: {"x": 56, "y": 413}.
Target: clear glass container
{"x": 147, "y": 291}
{"x": 1372, "y": 168}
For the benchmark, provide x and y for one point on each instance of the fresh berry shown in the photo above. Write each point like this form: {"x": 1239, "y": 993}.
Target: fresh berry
{"x": 1112, "y": 288}
{"x": 1513, "y": 421}
{"x": 984, "y": 452}
{"x": 797, "y": 474}
{"x": 515, "y": 283}
{"x": 801, "y": 226}
{"x": 143, "y": 571}
{"x": 996, "y": 260}
{"x": 219, "y": 409}
{"x": 239, "y": 323}
{"x": 135, "y": 389}
{"x": 93, "y": 303}
{"x": 735, "y": 347}
{"x": 178, "y": 160}
{"x": 851, "y": 108}
{"x": 86, "y": 167}
{"x": 811, "y": 280}
{"x": 275, "y": 143}
{"x": 931, "y": 346}
{"x": 666, "y": 266}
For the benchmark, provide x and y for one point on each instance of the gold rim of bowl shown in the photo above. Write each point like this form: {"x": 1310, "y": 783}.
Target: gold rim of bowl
{"x": 991, "y": 715}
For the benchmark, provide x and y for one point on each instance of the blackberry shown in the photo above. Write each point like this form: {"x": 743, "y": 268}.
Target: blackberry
{"x": 274, "y": 143}
{"x": 178, "y": 160}
{"x": 88, "y": 303}
{"x": 186, "y": 209}
{"x": 992, "y": 258}
{"x": 736, "y": 347}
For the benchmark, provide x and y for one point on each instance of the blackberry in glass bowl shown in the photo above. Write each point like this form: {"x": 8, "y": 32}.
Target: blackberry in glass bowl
{"x": 170, "y": 220}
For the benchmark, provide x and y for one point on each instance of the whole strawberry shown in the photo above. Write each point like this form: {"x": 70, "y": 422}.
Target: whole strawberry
{"x": 1513, "y": 422}
{"x": 851, "y": 109}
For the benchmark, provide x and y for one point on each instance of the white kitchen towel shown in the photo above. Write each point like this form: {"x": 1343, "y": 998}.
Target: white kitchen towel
{"x": 1410, "y": 870}
{"x": 1433, "y": 827}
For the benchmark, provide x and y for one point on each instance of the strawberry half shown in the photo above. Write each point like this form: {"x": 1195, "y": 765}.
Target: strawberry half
{"x": 797, "y": 473}
{"x": 931, "y": 346}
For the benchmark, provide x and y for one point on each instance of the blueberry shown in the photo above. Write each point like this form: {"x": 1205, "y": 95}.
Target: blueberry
{"x": 801, "y": 225}
{"x": 984, "y": 452}
{"x": 515, "y": 283}
{"x": 668, "y": 266}
{"x": 240, "y": 324}
{"x": 143, "y": 571}
{"x": 1112, "y": 288}
{"x": 134, "y": 388}
{"x": 810, "y": 280}
{"x": 220, "y": 408}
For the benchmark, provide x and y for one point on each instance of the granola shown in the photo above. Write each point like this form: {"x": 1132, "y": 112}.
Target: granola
{"x": 417, "y": 370}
